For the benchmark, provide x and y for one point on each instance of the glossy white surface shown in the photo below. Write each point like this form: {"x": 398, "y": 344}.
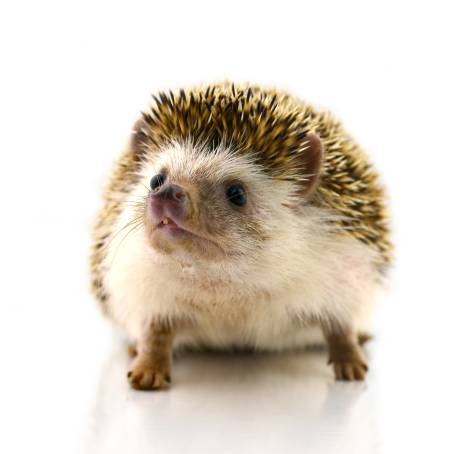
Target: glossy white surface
{"x": 64, "y": 387}
{"x": 74, "y": 75}
{"x": 249, "y": 404}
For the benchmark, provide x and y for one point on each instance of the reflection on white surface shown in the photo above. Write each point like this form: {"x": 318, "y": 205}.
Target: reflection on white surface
{"x": 234, "y": 403}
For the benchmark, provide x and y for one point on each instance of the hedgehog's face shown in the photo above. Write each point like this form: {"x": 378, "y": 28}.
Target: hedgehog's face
{"x": 210, "y": 205}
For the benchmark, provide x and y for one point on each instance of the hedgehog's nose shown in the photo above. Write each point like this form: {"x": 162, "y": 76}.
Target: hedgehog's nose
{"x": 169, "y": 200}
{"x": 171, "y": 192}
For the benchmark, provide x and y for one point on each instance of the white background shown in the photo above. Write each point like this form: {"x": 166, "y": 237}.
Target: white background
{"x": 73, "y": 77}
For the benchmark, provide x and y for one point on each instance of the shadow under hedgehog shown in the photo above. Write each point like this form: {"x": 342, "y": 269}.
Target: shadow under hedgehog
{"x": 239, "y": 217}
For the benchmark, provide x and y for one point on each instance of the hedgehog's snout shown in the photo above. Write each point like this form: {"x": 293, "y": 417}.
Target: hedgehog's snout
{"x": 169, "y": 201}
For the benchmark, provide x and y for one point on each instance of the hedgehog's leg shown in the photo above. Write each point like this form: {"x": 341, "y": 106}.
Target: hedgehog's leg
{"x": 132, "y": 350}
{"x": 345, "y": 352}
{"x": 150, "y": 369}
{"x": 364, "y": 337}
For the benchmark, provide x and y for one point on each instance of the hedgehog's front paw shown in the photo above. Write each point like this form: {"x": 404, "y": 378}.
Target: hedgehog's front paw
{"x": 145, "y": 375}
{"x": 349, "y": 364}
{"x": 350, "y": 371}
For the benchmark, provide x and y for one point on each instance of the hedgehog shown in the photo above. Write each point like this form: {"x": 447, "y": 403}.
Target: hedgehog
{"x": 240, "y": 217}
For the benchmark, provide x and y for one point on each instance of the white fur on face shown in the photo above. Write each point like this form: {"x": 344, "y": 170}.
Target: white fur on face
{"x": 303, "y": 271}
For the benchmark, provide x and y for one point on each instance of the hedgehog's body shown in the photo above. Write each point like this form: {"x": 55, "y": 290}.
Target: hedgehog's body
{"x": 302, "y": 243}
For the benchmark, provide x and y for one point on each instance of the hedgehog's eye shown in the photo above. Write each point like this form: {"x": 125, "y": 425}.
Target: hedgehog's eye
{"x": 236, "y": 194}
{"x": 157, "y": 181}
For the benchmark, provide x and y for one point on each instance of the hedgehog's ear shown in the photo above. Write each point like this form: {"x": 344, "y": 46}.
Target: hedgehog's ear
{"x": 138, "y": 136}
{"x": 312, "y": 156}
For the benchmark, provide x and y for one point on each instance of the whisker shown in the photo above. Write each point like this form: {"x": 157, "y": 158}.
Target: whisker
{"x": 147, "y": 188}
{"x": 137, "y": 200}
{"x": 135, "y": 227}
{"x": 133, "y": 204}
{"x": 139, "y": 196}
{"x": 138, "y": 219}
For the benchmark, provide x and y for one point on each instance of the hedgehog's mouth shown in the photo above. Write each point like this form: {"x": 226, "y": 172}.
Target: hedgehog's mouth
{"x": 169, "y": 230}
{"x": 167, "y": 221}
